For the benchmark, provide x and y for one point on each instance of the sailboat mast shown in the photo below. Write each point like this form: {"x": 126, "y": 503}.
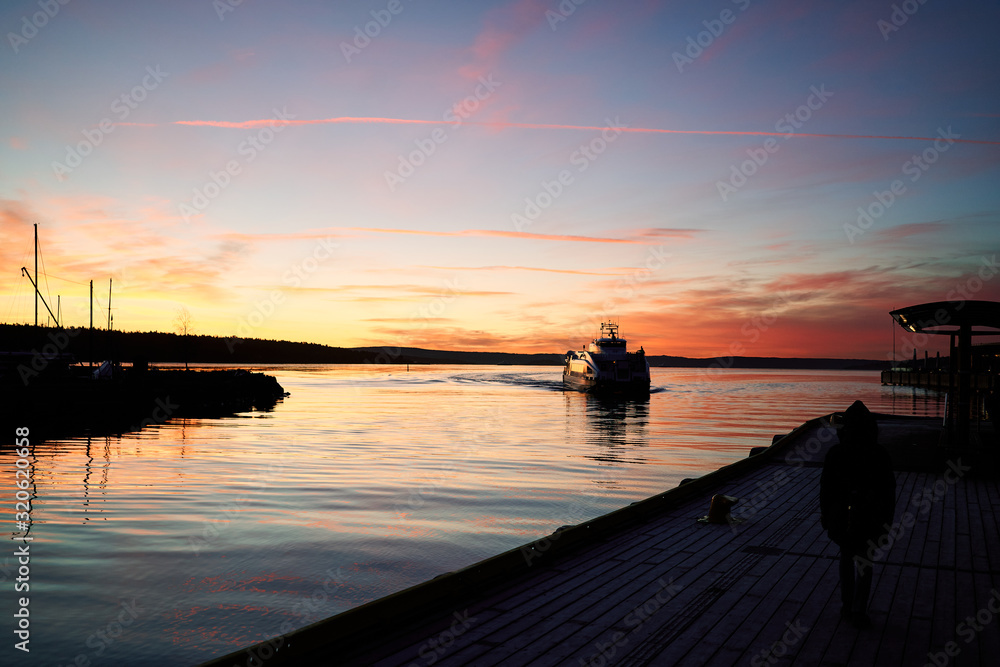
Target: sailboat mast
{"x": 90, "y": 335}
{"x": 36, "y": 274}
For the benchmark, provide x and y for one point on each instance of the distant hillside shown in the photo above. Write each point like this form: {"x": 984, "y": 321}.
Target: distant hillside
{"x": 420, "y": 355}
{"x": 167, "y": 347}
{"x": 770, "y": 362}
{"x": 155, "y": 346}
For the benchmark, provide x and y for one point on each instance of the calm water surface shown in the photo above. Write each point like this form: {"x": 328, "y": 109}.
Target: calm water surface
{"x": 196, "y": 537}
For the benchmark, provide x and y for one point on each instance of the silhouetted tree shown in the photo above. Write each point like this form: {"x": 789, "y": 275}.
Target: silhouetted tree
{"x": 184, "y": 328}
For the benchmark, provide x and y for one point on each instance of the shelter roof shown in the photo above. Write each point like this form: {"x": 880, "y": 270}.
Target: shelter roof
{"x": 949, "y": 317}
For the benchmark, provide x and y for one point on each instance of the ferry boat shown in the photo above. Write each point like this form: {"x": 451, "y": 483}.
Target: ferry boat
{"x": 606, "y": 366}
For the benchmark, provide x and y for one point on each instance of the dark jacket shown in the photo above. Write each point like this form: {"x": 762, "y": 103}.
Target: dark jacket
{"x": 857, "y": 493}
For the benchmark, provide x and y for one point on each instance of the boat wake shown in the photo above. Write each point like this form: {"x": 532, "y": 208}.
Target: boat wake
{"x": 543, "y": 381}
{"x": 535, "y": 380}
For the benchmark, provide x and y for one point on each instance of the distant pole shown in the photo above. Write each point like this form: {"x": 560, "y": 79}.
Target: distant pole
{"x": 91, "y": 334}
{"x": 58, "y": 308}
{"x": 36, "y": 274}
{"x": 110, "y": 342}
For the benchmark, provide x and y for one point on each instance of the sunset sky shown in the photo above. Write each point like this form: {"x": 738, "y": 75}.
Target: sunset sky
{"x": 769, "y": 178}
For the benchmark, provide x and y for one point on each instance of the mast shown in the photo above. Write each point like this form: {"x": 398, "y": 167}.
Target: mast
{"x": 36, "y": 274}
{"x": 25, "y": 272}
{"x": 109, "y": 303}
{"x": 91, "y": 334}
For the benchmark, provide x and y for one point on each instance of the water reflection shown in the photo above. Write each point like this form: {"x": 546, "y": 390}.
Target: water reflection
{"x": 917, "y": 401}
{"x": 89, "y": 470}
{"x": 617, "y": 428}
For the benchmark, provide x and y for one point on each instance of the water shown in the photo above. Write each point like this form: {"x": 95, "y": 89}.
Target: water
{"x": 196, "y": 537}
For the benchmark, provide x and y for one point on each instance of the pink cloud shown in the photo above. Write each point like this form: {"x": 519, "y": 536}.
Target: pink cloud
{"x": 221, "y": 71}
{"x": 270, "y": 122}
{"x": 505, "y": 26}
{"x": 900, "y": 232}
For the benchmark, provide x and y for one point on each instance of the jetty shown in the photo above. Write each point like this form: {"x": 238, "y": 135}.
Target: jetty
{"x": 650, "y": 584}
{"x": 74, "y": 400}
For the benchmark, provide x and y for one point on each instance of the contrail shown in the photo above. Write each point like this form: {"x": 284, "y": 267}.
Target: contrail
{"x": 355, "y": 120}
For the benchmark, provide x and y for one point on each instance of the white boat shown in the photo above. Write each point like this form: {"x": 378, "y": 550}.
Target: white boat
{"x": 606, "y": 366}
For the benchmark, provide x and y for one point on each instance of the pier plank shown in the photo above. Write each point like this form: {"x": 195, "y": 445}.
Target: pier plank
{"x": 766, "y": 622}
{"x": 819, "y": 610}
{"x": 947, "y": 552}
{"x": 923, "y": 598}
{"x": 965, "y": 604}
{"x": 931, "y": 552}
{"x": 914, "y": 546}
{"x": 785, "y": 616}
{"x": 890, "y": 651}
{"x": 609, "y": 624}
{"x": 977, "y": 529}
{"x": 916, "y": 647}
{"x": 987, "y": 590}
{"x": 884, "y": 584}
{"x": 987, "y": 521}
{"x": 963, "y": 528}
{"x": 943, "y": 617}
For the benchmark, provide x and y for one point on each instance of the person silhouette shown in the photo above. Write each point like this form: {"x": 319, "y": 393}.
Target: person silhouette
{"x": 857, "y": 504}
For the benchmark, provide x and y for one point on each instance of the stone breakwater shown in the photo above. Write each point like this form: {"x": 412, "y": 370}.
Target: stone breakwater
{"x": 72, "y": 406}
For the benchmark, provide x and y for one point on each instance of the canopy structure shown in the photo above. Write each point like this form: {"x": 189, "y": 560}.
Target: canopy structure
{"x": 950, "y": 317}
{"x": 961, "y": 320}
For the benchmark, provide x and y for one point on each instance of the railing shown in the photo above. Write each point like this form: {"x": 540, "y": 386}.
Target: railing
{"x": 942, "y": 380}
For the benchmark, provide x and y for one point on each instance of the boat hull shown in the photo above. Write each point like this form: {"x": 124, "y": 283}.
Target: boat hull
{"x": 606, "y": 386}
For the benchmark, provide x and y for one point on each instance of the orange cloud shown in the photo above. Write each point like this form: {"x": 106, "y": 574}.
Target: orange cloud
{"x": 493, "y": 232}
{"x": 609, "y": 272}
{"x": 308, "y": 235}
{"x": 342, "y": 290}
{"x": 666, "y": 233}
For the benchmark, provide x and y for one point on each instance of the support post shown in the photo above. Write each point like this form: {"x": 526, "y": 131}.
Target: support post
{"x": 964, "y": 383}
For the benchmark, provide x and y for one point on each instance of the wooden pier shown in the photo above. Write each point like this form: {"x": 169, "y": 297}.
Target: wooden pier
{"x": 650, "y": 585}
{"x": 940, "y": 380}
